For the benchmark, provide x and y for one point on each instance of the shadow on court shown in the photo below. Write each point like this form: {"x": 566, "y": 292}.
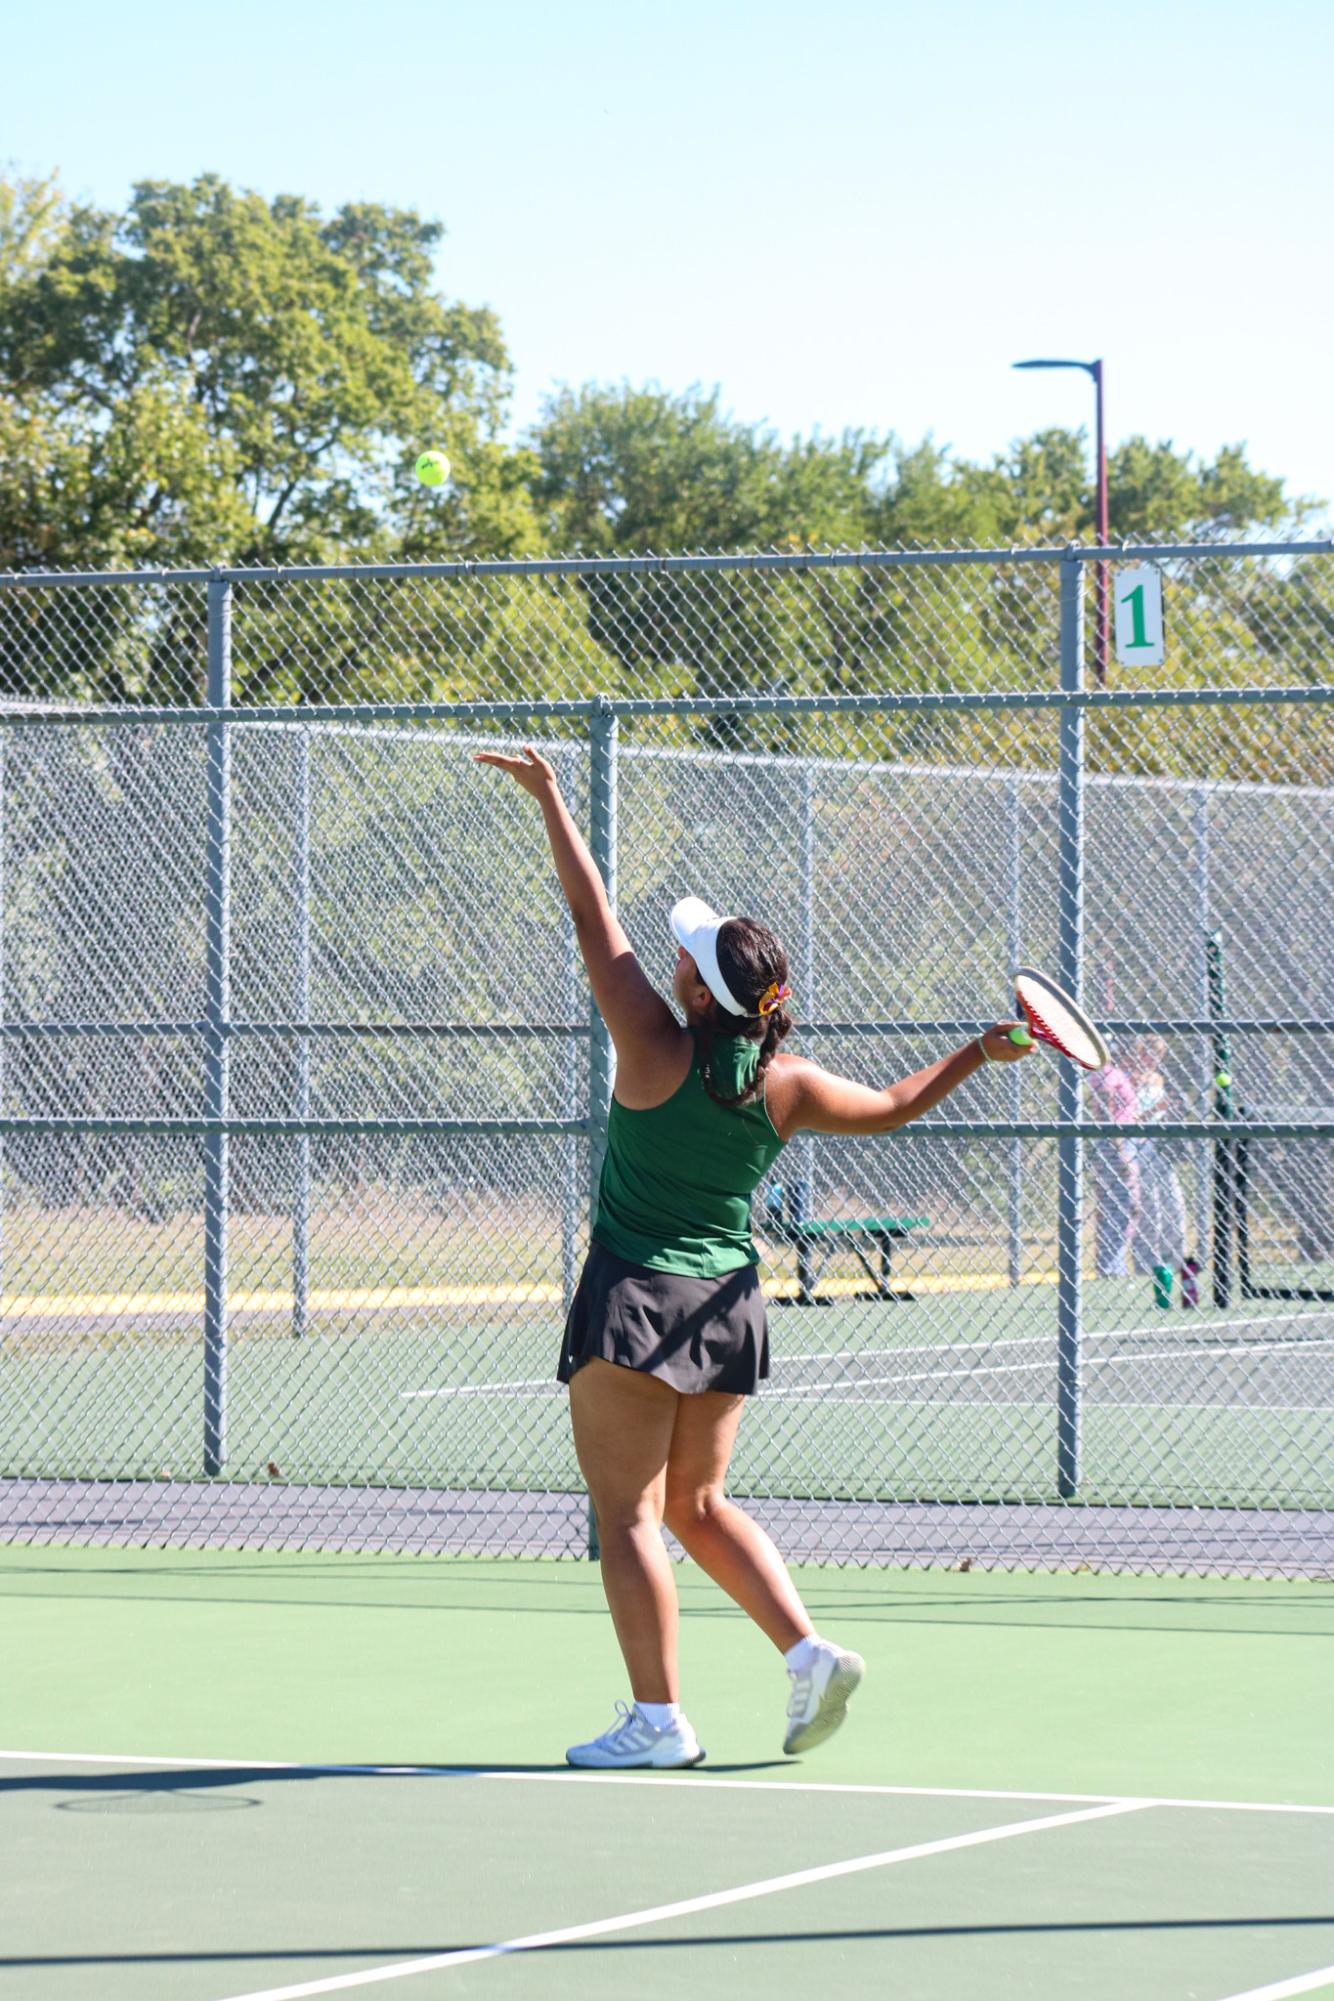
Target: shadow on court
{"x": 573, "y": 1591}
{"x": 843, "y": 1935}
{"x": 185, "y": 1783}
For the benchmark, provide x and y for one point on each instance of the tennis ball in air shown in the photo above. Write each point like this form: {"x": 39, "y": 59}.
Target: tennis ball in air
{"x": 1223, "y": 1079}
{"x": 433, "y": 468}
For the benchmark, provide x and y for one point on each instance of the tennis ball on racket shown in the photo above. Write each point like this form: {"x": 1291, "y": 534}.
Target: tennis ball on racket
{"x": 1223, "y": 1079}
{"x": 1020, "y": 1037}
{"x": 432, "y": 468}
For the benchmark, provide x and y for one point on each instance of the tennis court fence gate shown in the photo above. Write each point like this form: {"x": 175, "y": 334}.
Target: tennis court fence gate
{"x": 304, "y": 1100}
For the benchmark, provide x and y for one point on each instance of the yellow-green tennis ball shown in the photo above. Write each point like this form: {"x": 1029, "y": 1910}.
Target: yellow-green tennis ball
{"x": 1223, "y": 1079}
{"x": 433, "y": 468}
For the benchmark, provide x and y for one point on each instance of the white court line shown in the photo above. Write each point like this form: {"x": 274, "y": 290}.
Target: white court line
{"x": 483, "y": 1389}
{"x": 913, "y": 1792}
{"x": 855, "y": 1384}
{"x": 927, "y": 1347}
{"x": 686, "y": 1906}
{"x": 560, "y": 1776}
{"x": 1189, "y": 1327}
{"x": 1039, "y": 1404}
{"x": 1279, "y": 1990}
{"x": 939, "y": 1375}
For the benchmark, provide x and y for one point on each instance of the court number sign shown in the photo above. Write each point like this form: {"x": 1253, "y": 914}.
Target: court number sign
{"x": 1139, "y": 616}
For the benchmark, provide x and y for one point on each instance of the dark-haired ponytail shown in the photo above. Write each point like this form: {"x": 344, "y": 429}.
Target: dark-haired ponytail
{"x": 768, "y": 1031}
{"x": 754, "y": 965}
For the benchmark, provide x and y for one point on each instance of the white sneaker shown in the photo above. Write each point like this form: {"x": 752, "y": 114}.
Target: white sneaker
{"x": 819, "y": 1699}
{"x": 633, "y": 1742}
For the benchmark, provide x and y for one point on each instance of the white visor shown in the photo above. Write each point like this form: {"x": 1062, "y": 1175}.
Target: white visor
{"x": 696, "y": 927}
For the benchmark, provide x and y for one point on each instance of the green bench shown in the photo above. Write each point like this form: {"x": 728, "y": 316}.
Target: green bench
{"x": 817, "y": 1239}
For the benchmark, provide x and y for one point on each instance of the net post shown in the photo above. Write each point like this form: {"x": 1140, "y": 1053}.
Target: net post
{"x": 217, "y": 997}
{"x": 1015, "y": 1197}
{"x": 301, "y": 1206}
{"x": 603, "y": 833}
{"x": 1070, "y": 973}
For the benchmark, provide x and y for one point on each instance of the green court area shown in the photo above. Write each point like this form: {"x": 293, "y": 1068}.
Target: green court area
{"x": 234, "y": 1775}
{"x": 952, "y": 1392}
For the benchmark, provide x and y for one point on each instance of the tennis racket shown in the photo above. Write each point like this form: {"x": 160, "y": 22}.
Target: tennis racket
{"x": 1056, "y": 1019}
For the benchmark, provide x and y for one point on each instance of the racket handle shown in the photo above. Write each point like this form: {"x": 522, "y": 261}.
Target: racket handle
{"x": 1020, "y": 1037}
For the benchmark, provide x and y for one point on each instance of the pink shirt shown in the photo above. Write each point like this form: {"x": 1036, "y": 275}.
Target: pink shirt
{"x": 1119, "y": 1091}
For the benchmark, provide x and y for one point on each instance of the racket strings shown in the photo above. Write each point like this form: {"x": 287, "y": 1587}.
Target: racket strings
{"x": 1092, "y": 1059}
{"x": 1043, "y": 1029}
{"x": 1058, "y": 1020}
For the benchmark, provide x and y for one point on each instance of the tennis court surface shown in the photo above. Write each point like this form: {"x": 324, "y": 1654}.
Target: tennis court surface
{"x": 897, "y": 1432}
{"x": 238, "y": 1774}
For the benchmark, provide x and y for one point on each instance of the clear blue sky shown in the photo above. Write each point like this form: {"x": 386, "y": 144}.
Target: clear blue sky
{"x": 854, "y": 214}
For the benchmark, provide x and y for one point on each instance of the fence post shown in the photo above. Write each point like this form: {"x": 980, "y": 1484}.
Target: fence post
{"x": 800, "y": 1201}
{"x": 4, "y": 774}
{"x": 1015, "y": 1204}
{"x": 301, "y": 1207}
{"x": 569, "y": 987}
{"x": 1224, "y": 1105}
{"x": 1203, "y": 1067}
{"x": 1070, "y": 962}
{"x": 603, "y": 838}
{"x": 217, "y": 928}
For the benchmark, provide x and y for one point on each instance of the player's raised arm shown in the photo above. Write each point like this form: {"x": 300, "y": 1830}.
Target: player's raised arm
{"x": 814, "y": 1100}
{"x": 634, "y": 1013}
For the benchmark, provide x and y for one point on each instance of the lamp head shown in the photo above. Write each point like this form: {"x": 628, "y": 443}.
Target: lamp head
{"x": 1090, "y": 367}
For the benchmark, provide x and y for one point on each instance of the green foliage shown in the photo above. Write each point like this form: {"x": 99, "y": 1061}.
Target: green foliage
{"x": 427, "y": 640}
{"x": 630, "y": 471}
{"x": 1042, "y": 491}
{"x": 211, "y": 376}
{"x": 1155, "y": 493}
{"x": 215, "y": 377}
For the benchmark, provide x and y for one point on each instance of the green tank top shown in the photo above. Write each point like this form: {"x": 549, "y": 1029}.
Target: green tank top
{"x": 677, "y": 1180}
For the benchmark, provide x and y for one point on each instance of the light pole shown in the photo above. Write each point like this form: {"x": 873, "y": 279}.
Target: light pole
{"x": 1093, "y": 368}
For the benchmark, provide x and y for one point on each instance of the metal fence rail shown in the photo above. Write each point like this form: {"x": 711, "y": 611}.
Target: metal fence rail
{"x": 304, "y": 1099}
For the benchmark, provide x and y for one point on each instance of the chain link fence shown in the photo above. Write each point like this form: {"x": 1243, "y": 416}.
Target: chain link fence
{"x": 304, "y": 1100}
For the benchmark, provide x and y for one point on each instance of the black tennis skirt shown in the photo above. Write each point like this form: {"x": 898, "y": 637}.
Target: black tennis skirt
{"x": 693, "y": 1333}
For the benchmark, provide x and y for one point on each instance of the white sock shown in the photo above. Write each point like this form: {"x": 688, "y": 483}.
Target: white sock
{"x": 799, "y": 1658}
{"x": 659, "y": 1715}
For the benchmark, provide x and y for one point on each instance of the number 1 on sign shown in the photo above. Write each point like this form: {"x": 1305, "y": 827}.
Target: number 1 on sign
{"x": 1140, "y": 639}
{"x": 1139, "y": 617}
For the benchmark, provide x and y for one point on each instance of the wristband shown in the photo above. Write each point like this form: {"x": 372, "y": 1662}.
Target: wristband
{"x": 981, "y": 1046}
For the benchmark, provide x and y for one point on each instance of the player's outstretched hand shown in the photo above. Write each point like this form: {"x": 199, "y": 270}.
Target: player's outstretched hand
{"x": 532, "y": 772}
{"x": 999, "y": 1046}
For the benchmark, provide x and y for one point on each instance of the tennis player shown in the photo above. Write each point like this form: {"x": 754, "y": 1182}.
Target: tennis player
{"x": 666, "y": 1336}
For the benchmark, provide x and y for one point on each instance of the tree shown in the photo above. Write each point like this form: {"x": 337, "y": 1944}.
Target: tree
{"x": 639, "y": 470}
{"x": 212, "y": 376}
{"x": 635, "y": 471}
{"x": 626, "y": 471}
{"x": 1042, "y": 490}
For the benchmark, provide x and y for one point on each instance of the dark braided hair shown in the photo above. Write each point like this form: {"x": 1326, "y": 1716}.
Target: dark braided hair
{"x": 750, "y": 959}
